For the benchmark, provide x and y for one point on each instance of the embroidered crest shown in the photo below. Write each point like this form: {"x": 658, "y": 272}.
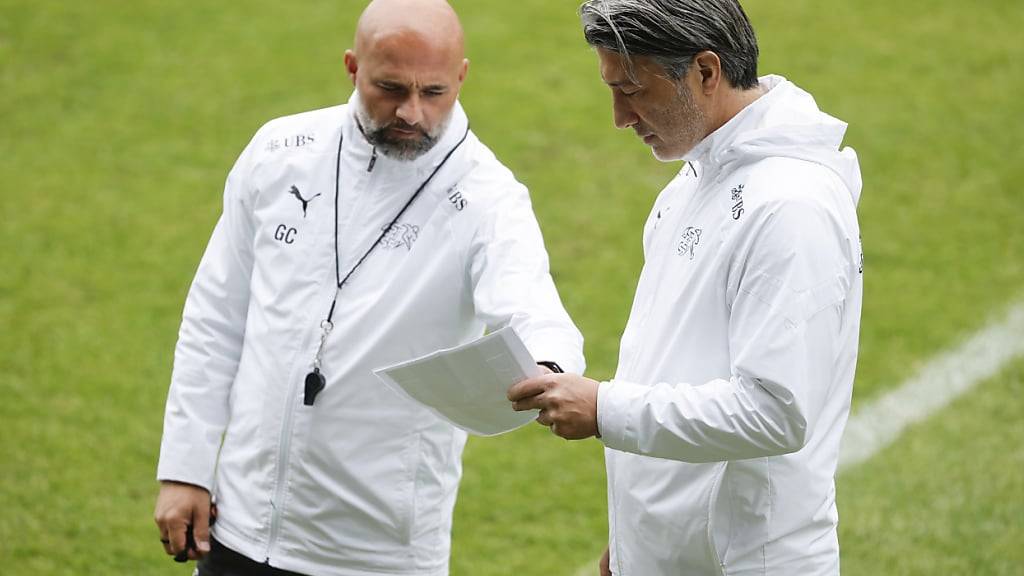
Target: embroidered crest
{"x": 689, "y": 242}
{"x": 400, "y": 235}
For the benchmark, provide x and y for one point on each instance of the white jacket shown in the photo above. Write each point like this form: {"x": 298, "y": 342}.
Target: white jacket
{"x": 736, "y": 368}
{"x": 364, "y": 481}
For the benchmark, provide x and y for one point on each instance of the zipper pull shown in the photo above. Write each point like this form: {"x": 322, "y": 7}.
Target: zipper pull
{"x": 373, "y": 160}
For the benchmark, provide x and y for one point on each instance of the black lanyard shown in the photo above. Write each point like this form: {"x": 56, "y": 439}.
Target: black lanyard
{"x": 315, "y": 380}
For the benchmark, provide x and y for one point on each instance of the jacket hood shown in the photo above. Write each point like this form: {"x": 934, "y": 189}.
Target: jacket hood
{"x": 784, "y": 122}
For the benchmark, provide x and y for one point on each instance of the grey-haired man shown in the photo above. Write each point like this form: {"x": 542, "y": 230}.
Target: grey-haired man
{"x": 722, "y": 425}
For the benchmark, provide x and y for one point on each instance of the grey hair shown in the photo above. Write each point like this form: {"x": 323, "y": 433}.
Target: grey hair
{"x": 672, "y": 32}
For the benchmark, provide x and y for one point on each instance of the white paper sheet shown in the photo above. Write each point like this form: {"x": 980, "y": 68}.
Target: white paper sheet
{"x": 467, "y": 385}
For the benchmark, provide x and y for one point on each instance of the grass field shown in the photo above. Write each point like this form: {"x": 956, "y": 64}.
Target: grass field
{"x": 119, "y": 121}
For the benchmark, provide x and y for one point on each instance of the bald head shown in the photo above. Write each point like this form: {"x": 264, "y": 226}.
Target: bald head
{"x": 431, "y": 23}
{"x": 408, "y": 65}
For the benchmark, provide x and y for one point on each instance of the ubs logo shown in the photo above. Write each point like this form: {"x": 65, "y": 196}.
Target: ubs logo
{"x": 689, "y": 242}
{"x": 296, "y": 141}
{"x": 457, "y": 199}
{"x": 737, "y": 199}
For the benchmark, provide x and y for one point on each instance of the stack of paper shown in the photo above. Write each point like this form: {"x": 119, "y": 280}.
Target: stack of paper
{"x": 467, "y": 385}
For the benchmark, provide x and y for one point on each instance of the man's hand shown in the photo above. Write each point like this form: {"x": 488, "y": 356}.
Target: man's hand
{"x": 567, "y": 403}
{"x": 606, "y": 569}
{"x": 178, "y": 506}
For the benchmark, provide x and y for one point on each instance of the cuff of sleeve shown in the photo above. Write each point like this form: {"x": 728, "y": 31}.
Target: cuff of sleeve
{"x": 189, "y": 466}
{"x": 614, "y": 400}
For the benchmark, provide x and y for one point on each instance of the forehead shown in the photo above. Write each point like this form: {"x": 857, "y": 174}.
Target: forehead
{"x": 615, "y": 69}
{"x": 407, "y": 52}
{"x": 613, "y": 66}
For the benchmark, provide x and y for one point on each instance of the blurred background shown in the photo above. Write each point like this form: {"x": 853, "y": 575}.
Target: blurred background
{"x": 119, "y": 121}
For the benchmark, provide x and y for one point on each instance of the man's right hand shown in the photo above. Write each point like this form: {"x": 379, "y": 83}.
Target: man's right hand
{"x": 606, "y": 569}
{"x": 179, "y": 506}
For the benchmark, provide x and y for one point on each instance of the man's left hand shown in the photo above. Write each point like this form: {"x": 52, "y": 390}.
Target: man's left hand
{"x": 567, "y": 403}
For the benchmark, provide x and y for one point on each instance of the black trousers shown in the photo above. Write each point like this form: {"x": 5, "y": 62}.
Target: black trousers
{"x": 223, "y": 561}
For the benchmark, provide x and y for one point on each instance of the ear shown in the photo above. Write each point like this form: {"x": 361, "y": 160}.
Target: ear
{"x": 709, "y": 69}
{"x": 463, "y": 70}
{"x": 351, "y": 65}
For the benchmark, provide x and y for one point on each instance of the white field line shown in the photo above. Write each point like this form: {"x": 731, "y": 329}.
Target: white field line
{"x": 946, "y": 377}
{"x": 876, "y": 425}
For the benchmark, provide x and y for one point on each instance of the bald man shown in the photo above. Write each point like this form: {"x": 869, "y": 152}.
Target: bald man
{"x": 351, "y": 238}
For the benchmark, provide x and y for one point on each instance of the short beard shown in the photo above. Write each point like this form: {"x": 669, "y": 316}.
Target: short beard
{"x": 401, "y": 149}
{"x": 691, "y": 122}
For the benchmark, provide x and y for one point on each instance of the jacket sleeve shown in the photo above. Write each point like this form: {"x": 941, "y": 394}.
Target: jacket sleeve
{"x": 511, "y": 283}
{"x": 790, "y": 282}
{"x": 210, "y": 341}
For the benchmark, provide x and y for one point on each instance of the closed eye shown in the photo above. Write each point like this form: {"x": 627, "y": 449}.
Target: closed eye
{"x": 387, "y": 87}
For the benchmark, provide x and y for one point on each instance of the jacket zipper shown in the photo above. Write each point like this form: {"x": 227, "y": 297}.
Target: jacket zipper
{"x": 283, "y": 463}
{"x": 284, "y": 451}
{"x": 658, "y": 252}
{"x": 373, "y": 160}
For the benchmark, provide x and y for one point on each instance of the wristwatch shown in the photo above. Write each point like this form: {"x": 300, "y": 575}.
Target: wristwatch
{"x": 553, "y": 366}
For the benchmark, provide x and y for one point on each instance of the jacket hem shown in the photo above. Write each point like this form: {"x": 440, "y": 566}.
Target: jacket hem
{"x": 254, "y": 550}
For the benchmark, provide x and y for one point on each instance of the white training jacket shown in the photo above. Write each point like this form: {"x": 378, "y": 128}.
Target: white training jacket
{"x": 736, "y": 368}
{"x": 364, "y": 481}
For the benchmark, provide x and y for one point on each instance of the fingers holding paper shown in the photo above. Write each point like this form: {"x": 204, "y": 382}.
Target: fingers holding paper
{"x": 567, "y": 403}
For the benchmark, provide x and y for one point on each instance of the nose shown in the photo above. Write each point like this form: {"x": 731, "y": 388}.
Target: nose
{"x": 622, "y": 113}
{"x": 411, "y": 110}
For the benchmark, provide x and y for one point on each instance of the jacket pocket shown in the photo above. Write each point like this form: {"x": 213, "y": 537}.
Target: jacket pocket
{"x": 717, "y": 533}
{"x": 662, "y": 520}
{"x": 740, "y": 514}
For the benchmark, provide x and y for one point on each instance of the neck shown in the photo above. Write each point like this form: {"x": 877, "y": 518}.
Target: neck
{"x": 732, "y": 103}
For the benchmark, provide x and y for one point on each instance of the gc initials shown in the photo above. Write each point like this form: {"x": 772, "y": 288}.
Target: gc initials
{"x": 285, "y": 234}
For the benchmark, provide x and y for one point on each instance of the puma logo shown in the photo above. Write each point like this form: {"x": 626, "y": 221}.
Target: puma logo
{"x": 305, "y": 203}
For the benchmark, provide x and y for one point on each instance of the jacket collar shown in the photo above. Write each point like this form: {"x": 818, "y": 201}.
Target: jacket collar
{"x": 712, "y": 148}
{"x": 784, "y": 122}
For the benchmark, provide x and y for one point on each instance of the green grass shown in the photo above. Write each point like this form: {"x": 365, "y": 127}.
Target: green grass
{"x": 946, "y": 498}
{"x": 118, "y": 122}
